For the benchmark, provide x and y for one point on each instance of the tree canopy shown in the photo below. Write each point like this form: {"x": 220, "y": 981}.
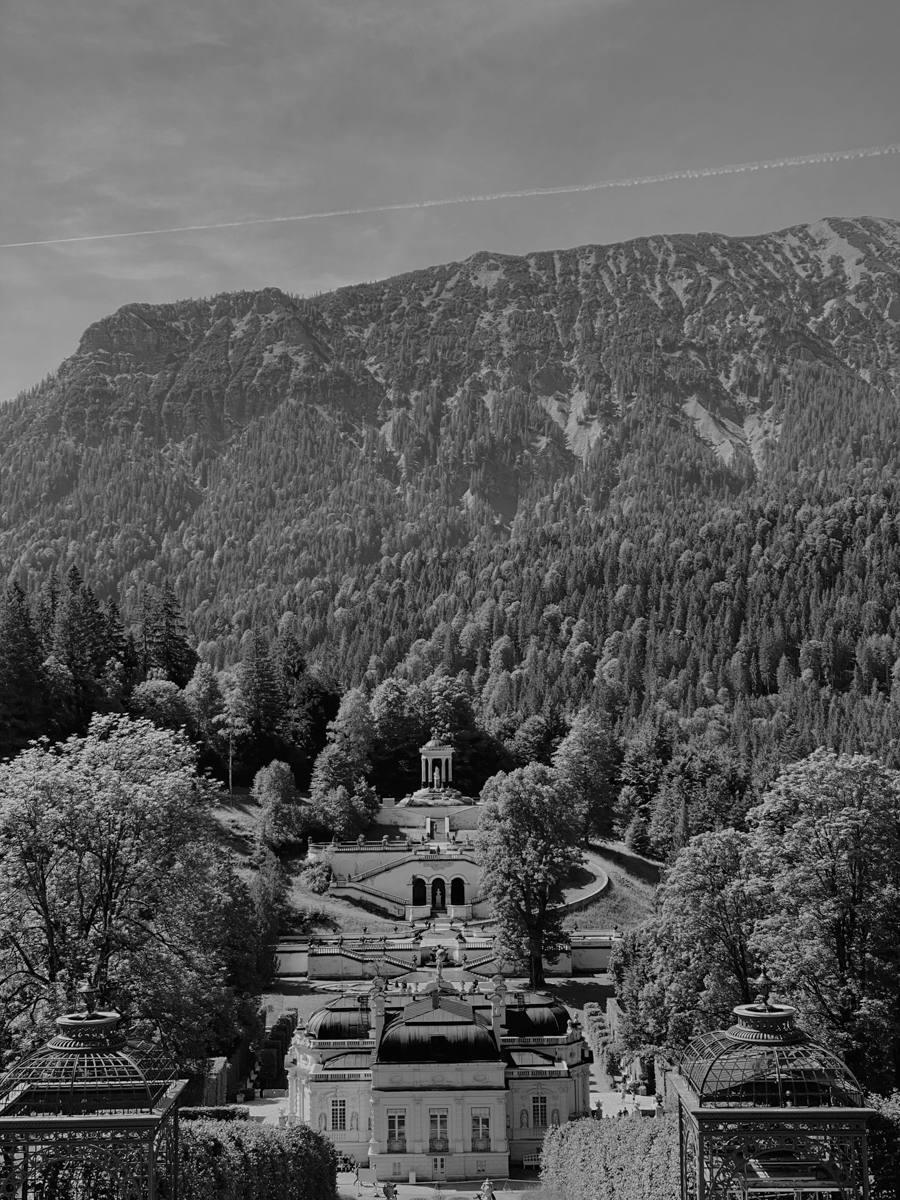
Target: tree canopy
{"x": 811, "y": 892}
{"x": 527, "y": 847}
{"x": 109, "y": 874}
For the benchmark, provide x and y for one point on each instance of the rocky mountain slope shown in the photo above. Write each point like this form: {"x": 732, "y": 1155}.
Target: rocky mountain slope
{"x": 260, "y": 448}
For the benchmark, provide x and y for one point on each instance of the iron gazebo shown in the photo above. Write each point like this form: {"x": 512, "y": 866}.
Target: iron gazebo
{"x": 764, "y": 1110}
{"x": 90, "y": 1116}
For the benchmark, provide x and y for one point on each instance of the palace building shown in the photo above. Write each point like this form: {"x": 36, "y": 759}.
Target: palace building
{"x": 440, "y": 1083}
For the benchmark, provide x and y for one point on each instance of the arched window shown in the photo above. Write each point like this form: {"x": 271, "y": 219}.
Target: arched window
{"x": 438, "y": 894}
{"x": 457, "y": 891}
{"x": 419, "y": 892}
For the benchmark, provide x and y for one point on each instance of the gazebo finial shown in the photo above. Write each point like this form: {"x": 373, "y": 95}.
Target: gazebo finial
{"x": 763, "y": 989}
{"x": 89, "y": 996}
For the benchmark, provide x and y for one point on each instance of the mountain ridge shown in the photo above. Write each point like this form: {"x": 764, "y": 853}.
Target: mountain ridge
{"x": 259, "y": 448}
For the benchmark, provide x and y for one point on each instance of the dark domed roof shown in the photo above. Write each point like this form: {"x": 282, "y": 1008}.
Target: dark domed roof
{"x": 343, "y": 1018}
{"x": 89, "y": 1066}
{"x": 420, "y": 1042}
{"x": 439, "y": 1029}
{"x": 766, "y": 1061}
{"x": 358, "y": 1061}
{"x": 533, "y": 1015}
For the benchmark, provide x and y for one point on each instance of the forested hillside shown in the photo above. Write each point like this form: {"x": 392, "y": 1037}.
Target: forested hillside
{"x": 657, "y": 478}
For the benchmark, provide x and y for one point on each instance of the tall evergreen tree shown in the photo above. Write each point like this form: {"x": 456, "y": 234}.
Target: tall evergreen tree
{"x": 80, "y": 643}
{"x": 23, "y": 689}
{"x": 164, "y": 639}
{"x": 260, "y": 684}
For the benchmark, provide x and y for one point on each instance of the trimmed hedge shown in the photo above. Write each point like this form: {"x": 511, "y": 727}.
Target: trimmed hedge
{"x": 624, "y": 1158}
{"x": 214, "y": 1112}
{"x": 244, "y": 1160}
{"x": 884, "y": 1145}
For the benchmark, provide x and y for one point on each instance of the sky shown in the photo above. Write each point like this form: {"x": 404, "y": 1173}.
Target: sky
{"x": 126, "y": 115}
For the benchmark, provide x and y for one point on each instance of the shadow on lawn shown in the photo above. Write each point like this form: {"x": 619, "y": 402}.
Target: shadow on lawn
{"x": 643, "y": 868}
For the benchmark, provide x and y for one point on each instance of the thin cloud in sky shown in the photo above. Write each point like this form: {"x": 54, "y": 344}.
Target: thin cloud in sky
{"x": 119, "y": 115}
{"x": 800, "y": 160}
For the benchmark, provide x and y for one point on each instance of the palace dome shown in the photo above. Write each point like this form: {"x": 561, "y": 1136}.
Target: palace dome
{"x": 764, "y": 1060}
{"x": 533, "y": 1015}
{"x": 438, "y": 1029}
{"x": 439, "y": 1043}
{"x": 340, "y": 1020}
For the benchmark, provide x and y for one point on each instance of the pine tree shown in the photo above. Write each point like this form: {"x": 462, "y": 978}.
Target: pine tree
{"x": 23, "y": 690}
{"x": 164, "y": 640}
{"x": 80, "y": 643}
{"x": 260, "y": 685}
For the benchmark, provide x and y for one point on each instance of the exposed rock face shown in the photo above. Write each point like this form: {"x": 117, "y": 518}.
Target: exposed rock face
{"x": 712, "y": 318}
{"x": 460, "y": 398}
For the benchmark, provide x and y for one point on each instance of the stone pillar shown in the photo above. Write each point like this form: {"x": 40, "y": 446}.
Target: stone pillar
{"x": 498, "y": 1006}
{"x": 457, "y": 1133}
{"x": 374, "y": 1145}
{"x": 376, "y": 1008}
{"x": 499, "y": 1140}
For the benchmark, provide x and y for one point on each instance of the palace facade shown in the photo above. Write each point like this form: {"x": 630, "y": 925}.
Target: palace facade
{"x": 441, "y": 1083}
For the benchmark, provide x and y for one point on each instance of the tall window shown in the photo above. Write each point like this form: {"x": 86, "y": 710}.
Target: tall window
{"x": 539, "y": 1112}
{"x": 437, "y": 1123}
{"x": 396, "y": 1118}
{"x": 481, "y": 1129}
{"x": 339, "y": 1114}
{"x": 481, "y": 1122}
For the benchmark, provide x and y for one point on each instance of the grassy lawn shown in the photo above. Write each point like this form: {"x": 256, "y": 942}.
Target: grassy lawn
{"x": 626, "y": 902}
{"x": 629, "y": 898}
{"x": 316, "y": 913}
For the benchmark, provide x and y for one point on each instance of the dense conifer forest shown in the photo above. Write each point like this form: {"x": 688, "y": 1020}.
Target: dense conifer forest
{"x": 653, "y": 482}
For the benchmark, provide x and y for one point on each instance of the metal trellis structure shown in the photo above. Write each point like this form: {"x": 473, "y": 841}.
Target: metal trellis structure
{"x": 764, "y": 1110}
{"x": 90, "y": 1116}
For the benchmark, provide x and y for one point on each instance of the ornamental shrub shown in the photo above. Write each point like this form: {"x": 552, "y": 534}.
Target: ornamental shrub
{"x": 245, "y": 1160}
{"x": 595, "y": 1030}
{"x": 624, "y": 1158}
{"x": 214, "y": 1112}
{"x": 884, "y": 1144}
{"x": 316, "y": 877}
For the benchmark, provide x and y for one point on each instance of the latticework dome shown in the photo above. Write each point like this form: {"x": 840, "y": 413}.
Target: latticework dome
{"x": 766, "y": 1061}
{"x": 87, "y": 1067}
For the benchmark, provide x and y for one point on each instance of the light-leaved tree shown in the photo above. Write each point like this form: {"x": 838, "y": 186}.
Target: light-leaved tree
{"x": 528, "y": 839}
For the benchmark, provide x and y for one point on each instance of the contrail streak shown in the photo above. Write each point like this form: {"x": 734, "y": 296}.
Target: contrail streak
{"x": 800, "y": 160}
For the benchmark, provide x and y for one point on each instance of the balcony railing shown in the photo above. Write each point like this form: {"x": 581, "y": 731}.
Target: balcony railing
{"x": 396, "y": 1145}
{"x": 439, "y": 1145}
{"x": 480, "y": 1144}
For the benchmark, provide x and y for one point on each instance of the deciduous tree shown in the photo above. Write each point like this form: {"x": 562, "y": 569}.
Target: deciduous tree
{"x": 827, "y": 836}
{"x": 528, "y": 846}
{"x": 108, "y": 873}
{"x": 587, "y": 760}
